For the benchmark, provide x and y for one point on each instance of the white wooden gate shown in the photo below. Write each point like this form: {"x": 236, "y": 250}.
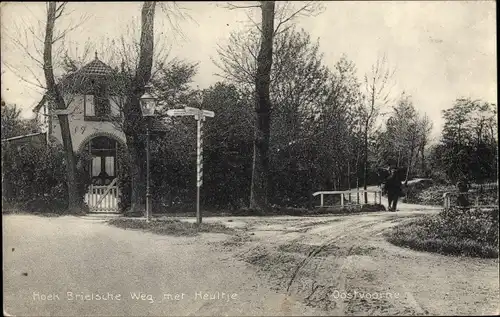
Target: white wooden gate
{"x": 103, "y": 198}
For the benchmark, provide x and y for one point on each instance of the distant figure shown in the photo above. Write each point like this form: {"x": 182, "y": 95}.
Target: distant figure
{"x": 393, "y": 188}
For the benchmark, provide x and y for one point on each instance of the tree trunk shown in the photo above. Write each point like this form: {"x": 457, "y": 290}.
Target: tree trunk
{"x": 74, "y": 201}
{"x": 55, "y": 97}
{"x": 357, "y": 177}
{"x": 422, "y": 158}
{"x": 134, "y": 124}
{"x": 349, "y": 177}
{"x": 260, "y": 172}
{"x": 410, "y": 163}
{"x": 365, "y": 165}
{"x": 137, "y": 153}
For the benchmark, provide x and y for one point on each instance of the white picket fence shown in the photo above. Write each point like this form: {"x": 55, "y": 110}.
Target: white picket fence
{"x": 103, "y": 198}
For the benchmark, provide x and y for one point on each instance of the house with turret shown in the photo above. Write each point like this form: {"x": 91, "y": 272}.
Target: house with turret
{"x": 94, "y": 96}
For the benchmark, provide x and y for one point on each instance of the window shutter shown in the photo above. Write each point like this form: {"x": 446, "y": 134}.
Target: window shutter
{"x": 89, "y": 105}
{"x": 96, "y": 165}
{"x": 110, "y": 165}
{"x": 115, "y": 106}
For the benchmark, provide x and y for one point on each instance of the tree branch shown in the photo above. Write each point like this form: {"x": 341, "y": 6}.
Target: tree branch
{"x": 231, "y": 6}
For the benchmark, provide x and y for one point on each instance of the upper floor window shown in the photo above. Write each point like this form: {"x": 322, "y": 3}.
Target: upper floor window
{"x": 102, "y": 106}
{"x": 98, "y": 108}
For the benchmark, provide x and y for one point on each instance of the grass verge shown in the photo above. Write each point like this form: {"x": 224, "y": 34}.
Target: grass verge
{"x": 453, "y": 232}
{"x": 171, "y": 227}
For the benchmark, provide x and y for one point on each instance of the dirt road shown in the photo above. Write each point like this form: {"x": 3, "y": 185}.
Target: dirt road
{"x": 51, "y": 264}
{"x": 328, "y": 265}
{"x": 344, "y": 266}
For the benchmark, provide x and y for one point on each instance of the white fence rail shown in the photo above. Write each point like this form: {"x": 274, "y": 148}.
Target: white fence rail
{"x": 102, "y": 198}
{"x": 374, "y": 195}
{"x": 474, "y": 202}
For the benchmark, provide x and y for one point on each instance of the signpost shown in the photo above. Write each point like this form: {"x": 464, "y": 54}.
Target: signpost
{"x": 199, "y": 115}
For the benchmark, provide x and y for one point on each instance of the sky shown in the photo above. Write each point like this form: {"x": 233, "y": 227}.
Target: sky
{"x": 440, "y": 50}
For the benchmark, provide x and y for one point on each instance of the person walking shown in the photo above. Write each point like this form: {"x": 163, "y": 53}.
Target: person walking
{"x": 393, "y": 188}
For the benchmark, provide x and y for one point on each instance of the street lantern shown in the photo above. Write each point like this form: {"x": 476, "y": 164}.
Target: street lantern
{"x": 148, "y": 103}
{"x": 148, "y": 107}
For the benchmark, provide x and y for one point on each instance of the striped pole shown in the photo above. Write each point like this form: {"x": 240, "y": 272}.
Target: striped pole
{"x": 199, "y": 165}
{"x": 200, "y": 153}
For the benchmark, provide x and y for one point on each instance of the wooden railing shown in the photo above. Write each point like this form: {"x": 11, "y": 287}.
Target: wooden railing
{"x": 447, "y": 199}
{"x": 377, "y": 196}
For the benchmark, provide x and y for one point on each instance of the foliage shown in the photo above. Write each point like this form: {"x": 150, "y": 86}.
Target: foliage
{"x": 13, "y": 125}
{"x": 35, "y": 178}
{"x": 312, "y": 117}
{"x": 454, "y": 231}
{"x": 469, "y": 143}
{"x": 430, "y": 196}
{"x": 405, "y": 137}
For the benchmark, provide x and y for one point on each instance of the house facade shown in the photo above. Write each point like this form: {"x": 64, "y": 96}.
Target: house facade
{"x": 94, "y": 96}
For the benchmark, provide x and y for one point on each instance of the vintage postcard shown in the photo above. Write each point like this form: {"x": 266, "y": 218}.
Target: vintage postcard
{"x": 249, "y": 158}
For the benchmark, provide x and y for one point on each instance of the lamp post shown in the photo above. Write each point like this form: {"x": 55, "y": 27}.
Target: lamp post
{"x": 148, "y": 105}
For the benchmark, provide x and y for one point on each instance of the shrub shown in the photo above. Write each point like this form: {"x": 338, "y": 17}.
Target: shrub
{"x": 124, "y": 181}
{"x": 35, "y": 178}
{"x": 454, "y": 231}
{"x": 430, "y": 196}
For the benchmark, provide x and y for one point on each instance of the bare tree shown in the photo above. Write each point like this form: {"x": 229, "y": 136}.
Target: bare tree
{"x": 133, "y": 123}
{"x": 26, "y": 38}
{"x": 425, "y": 129}
{"x": 260, "y": 168}
{"x": 376, "y": 95}
{"x": 268, "y": 30}
{"x": 54, "y": 11}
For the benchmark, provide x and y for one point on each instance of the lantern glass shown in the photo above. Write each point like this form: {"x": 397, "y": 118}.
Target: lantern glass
{"x": 148, "y": 104}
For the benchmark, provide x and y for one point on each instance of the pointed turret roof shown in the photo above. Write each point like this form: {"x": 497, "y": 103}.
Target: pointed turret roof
{"x": 96, "y": 67}
{"x": 95, "y": 72}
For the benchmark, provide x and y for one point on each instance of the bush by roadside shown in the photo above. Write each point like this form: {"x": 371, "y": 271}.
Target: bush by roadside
{"x": 430, "y": 196}
{"x": 35, "y": 180}
{"x": 454, "y": 231}
{"x": 487, "y": 195}
{"x": 173, "y": 227}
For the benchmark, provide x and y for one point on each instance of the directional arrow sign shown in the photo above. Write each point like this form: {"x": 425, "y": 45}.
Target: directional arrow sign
{"x": 208, "y": 113}
{"x": 191, "y": 110}
{"x": 196, "y": 111}
{"x": 178, "y": 112}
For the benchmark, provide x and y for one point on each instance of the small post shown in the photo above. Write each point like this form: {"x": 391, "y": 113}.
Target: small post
{"x": 446, "y": 201}
{"x": 148, "y": 193}
{"x": 375, "y": 196}
{"x": 342, "y": 199}
{"x": 199, "y": 115}
{"x": 321, "y": 197}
